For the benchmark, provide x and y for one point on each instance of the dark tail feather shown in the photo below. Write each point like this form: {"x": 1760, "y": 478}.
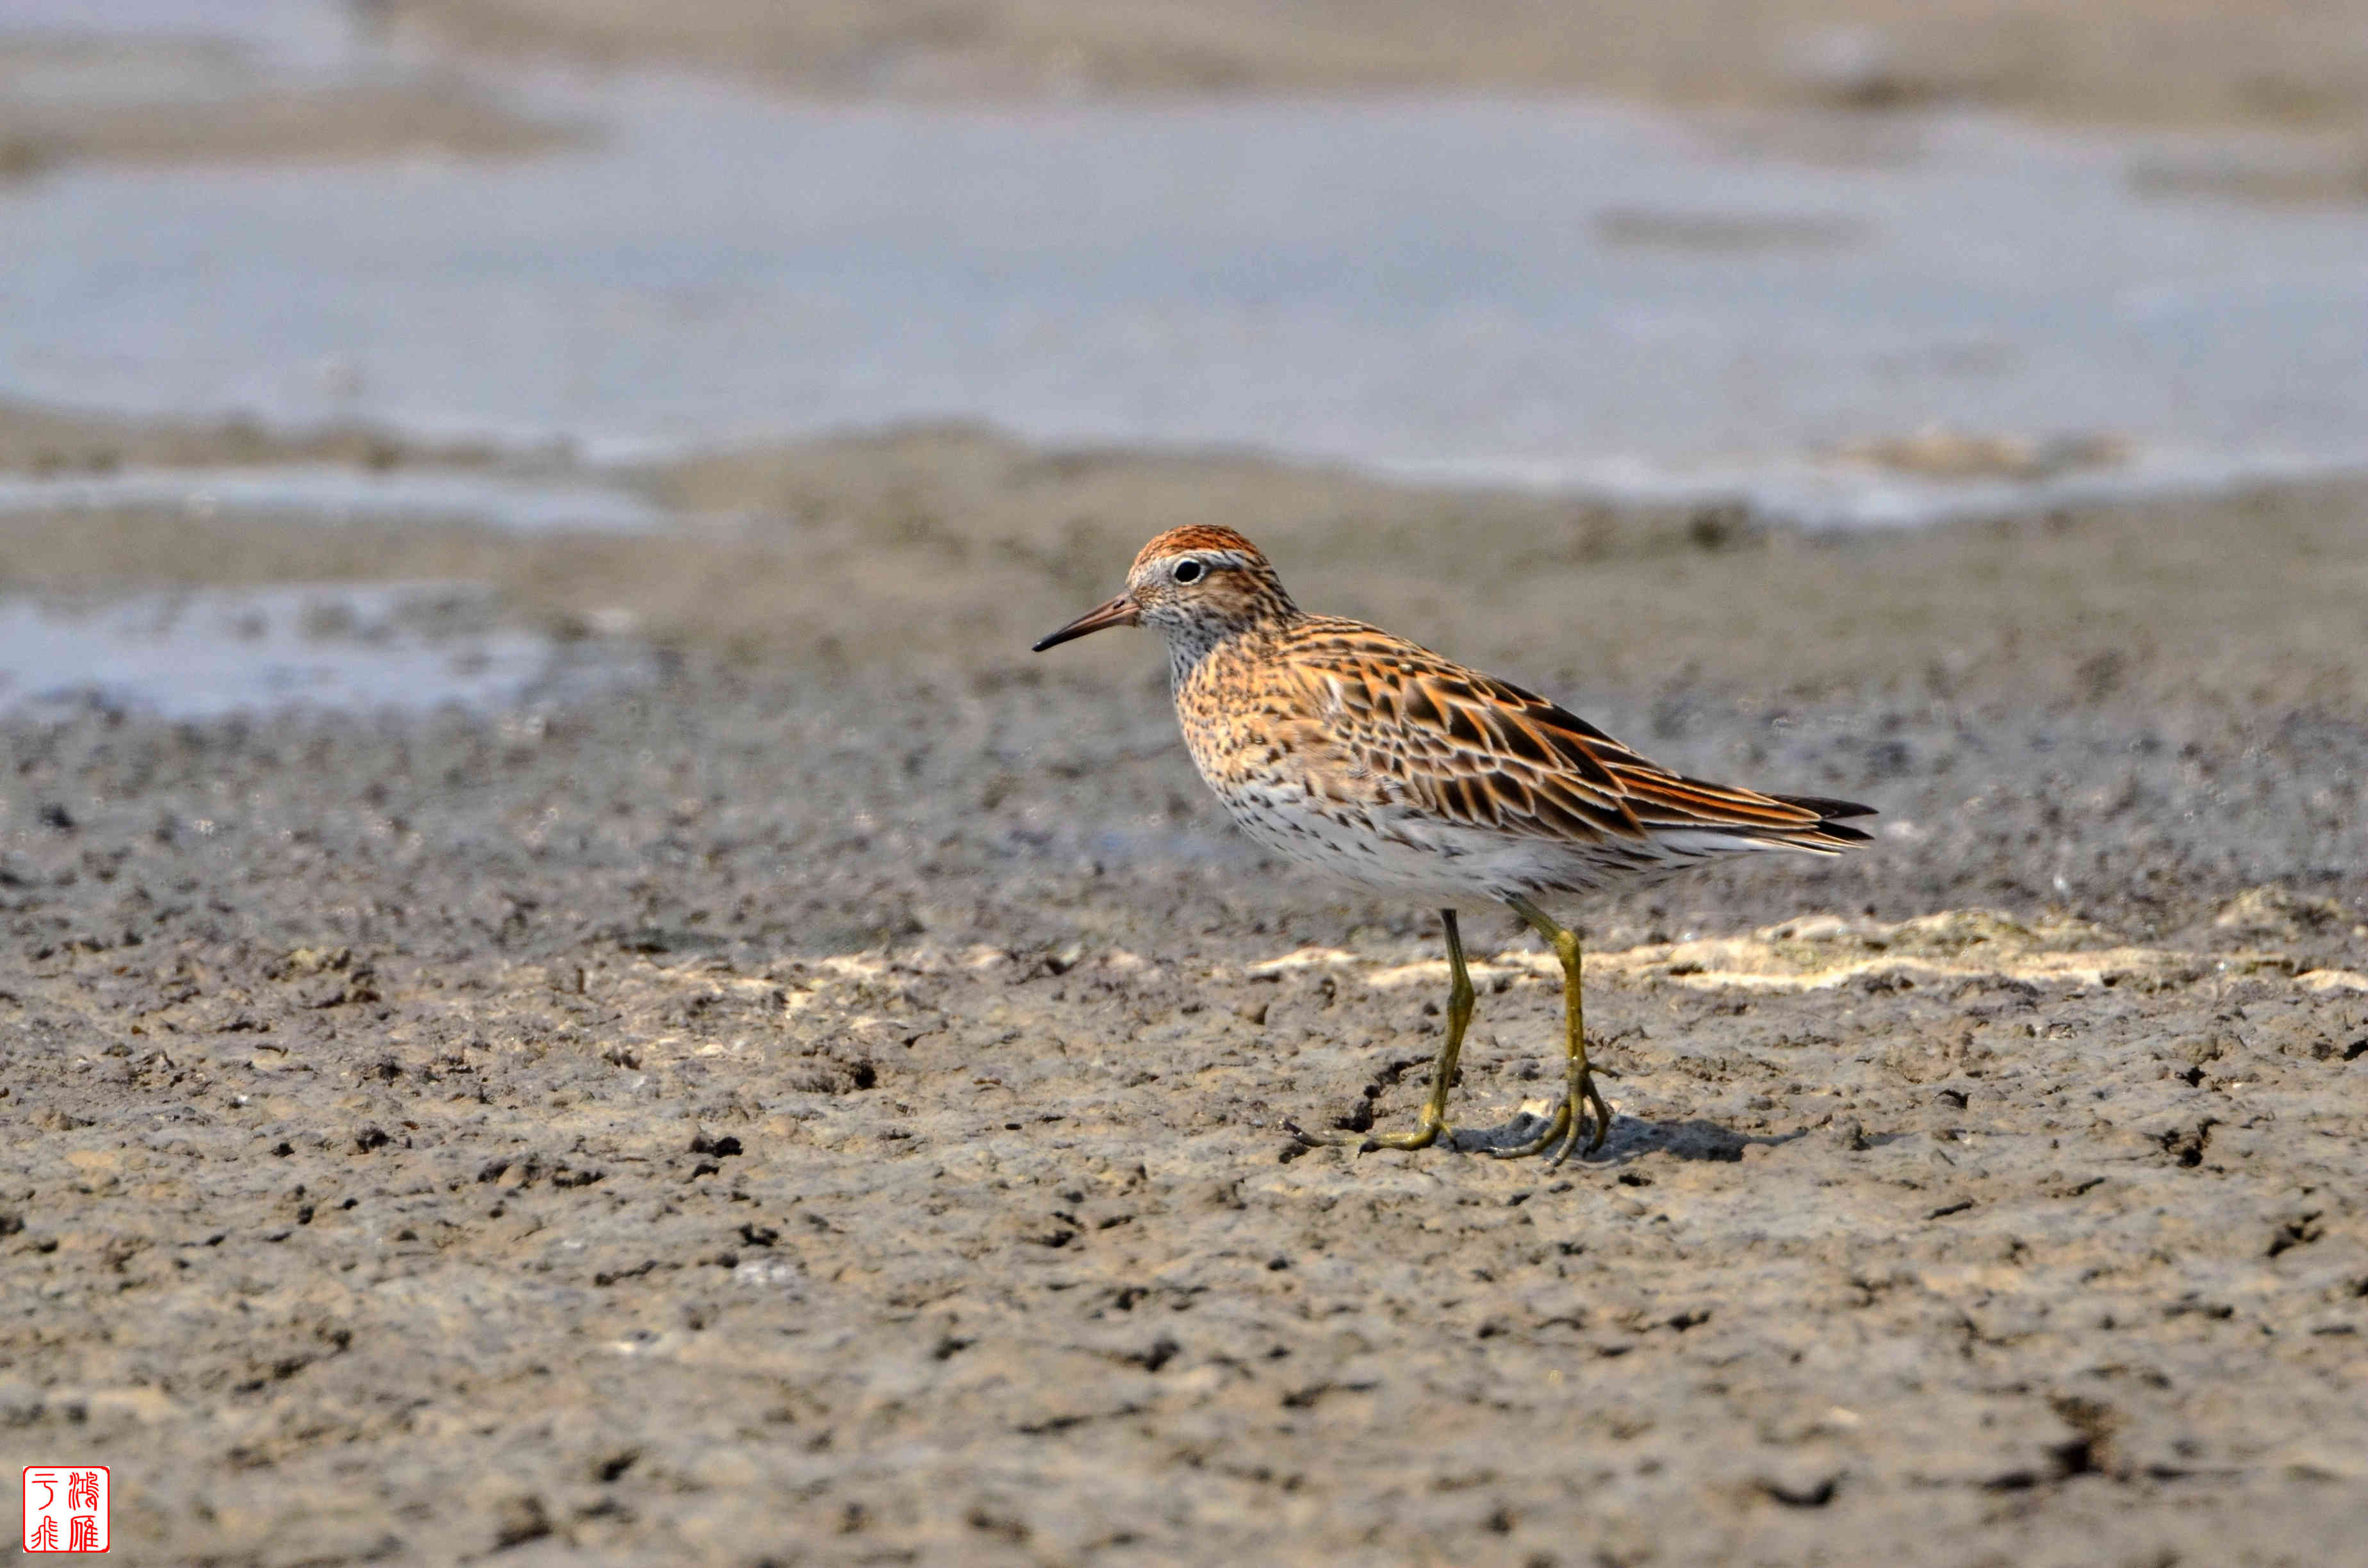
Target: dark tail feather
{"x": 1826, "y": 807}
{"x": 1830, "y": 811}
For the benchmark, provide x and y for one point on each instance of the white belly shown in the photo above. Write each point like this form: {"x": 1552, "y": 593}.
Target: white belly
{"x": 1406, "y": 854}
{"x": 1394, "y": 854}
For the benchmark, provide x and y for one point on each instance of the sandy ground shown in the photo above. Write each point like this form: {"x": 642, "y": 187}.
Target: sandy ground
{"x": 2167, "y": 62}
{"x": 939, "y": 547}
{"x": 67, "y": 100}
{"x": 822, "y": 1105}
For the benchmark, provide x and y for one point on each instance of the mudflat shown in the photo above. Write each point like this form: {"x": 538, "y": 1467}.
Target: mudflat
{"x": 821, "y": 1103}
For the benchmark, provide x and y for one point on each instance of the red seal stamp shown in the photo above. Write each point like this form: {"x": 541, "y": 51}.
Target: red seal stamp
{"x": 67, "y": 1508}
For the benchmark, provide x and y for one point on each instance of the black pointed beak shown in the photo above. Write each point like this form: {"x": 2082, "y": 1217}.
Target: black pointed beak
{"x": 1120, "y": 611}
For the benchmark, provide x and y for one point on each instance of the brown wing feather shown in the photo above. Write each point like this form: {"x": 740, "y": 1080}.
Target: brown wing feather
{"x": 1474, "y": 749}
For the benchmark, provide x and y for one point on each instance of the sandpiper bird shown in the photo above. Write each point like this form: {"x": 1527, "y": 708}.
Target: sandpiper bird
{"x": 1345, "y": 748}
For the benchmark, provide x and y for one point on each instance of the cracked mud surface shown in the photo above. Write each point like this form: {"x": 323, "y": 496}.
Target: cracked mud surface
{"x": 755, "y": 1121}
{"x": 823, "y": 1104}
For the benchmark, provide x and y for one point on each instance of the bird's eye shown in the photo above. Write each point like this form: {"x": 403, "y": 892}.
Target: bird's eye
{"x": 1189, "y": 571}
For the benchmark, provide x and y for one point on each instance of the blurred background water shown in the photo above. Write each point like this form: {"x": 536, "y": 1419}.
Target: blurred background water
{"x": 1835, "y": 320}
{"x": 1549, "y": 294}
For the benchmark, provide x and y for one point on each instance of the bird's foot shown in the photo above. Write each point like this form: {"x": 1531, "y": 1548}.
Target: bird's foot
{"x": 1563, "y": 1133}
{"x": 1424, "y": 1135}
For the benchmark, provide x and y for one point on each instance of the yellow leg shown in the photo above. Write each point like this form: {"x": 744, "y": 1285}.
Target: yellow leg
{"x": 1442, "y": 1072}
{"x": 1581, "y": 1101}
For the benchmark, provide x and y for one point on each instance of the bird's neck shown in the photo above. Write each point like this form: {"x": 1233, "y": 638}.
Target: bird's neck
{"x": 1194, "y": 642}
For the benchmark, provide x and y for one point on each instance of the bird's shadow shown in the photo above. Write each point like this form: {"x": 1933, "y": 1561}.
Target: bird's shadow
{"x": 1630, "y": 1139}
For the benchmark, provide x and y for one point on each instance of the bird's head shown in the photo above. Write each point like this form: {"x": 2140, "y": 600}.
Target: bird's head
{"x": 1198, "y": 585}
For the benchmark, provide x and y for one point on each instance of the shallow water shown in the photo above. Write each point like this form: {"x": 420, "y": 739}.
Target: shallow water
{"x": 1567, "y": 295}
{"x": 206, "y": 653}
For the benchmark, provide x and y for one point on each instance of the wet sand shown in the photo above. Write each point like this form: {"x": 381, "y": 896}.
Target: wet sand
{"x": 822, "y": 1104}
{"x": 2162, "y": 61}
